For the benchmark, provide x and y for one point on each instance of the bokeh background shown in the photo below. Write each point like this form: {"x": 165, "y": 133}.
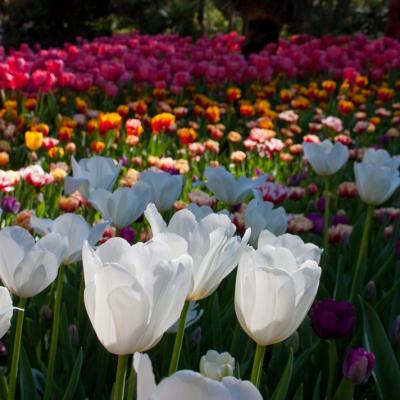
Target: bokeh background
{"x": 51, "y": 22}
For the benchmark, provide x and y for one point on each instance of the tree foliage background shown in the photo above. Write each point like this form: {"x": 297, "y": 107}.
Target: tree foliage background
{"x": 52, "y": 22}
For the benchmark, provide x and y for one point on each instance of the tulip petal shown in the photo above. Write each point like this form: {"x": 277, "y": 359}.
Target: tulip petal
{"x": 146, "y": 383}
{"x": 240, "y": 390}
{"x": 190, "y": 385}
{"x": 99, "y": 199}
{"x": 155, "y": 219}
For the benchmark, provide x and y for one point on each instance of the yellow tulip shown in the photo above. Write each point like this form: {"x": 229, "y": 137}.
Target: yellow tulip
{"x": 33, "y": 140}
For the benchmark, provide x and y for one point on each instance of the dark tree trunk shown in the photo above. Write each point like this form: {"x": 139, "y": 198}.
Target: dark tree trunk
{"x": 393, "y": 21}
{"x": 263, "y": 21}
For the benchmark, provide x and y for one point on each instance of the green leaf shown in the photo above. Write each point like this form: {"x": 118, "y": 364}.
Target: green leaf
{"x": 317, "y": 389}
{"x": 3, "y": 387}
{"x": 26, "y": 380}
{"x": 387, "y": 298}
{"x": 386, "y": 371}
{"x": 301, "y": 361}
{"x": 216, "y": 323}
{"x": 299, "y": 393}
{"x": 73, "y": 382}
{"x": 281, "y": 390}
{"x": 345, "y": 391}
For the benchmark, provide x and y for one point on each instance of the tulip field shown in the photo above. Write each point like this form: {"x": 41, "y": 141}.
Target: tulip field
{"x": 179, "y": 222}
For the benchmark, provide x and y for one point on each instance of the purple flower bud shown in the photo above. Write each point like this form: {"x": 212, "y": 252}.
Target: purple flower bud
{"x": 3, "y": 354}
{"x": 396, "y": 330}
{"x": 195, "y": 337}
{"x": 296, "y": 179}
{"x": 318, "y": 222}
{"x": 320, "y": 204}
{"x": 46, "y": 312}
{"x": 331, "y": 319}
{"x": 74, "y": 335}
{"x": 340, "y": 219}
{"x": 384, "y": 140}
{"x": 358, "y": 365}
{"x": 124, "y": 161}
{"x": 128, "y": 234}
{"x": 9, "y": 204}
{"x": 370, "y": 291}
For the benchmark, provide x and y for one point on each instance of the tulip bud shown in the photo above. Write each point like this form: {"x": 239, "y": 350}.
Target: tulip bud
{"x": 128, "y": 234}
{"x": 358, "y": 365}
{"x": 312, "y": 189}
{"x": 9, "y": 204}
{"x": 195, "y": 337}
{"x": 318, "y": 222}
{"x": 331, "y": 319}
{"x": 46, "y": 312}
{"x": 370, "y": 291}
{"x": 216, "y": 366}
{"x": 3, "y": 354}
{"x": 396, "y": 329}
{"x": 73, "y": 335}
{"x": 70, "y": 148}
{"x": 4, "y": 158}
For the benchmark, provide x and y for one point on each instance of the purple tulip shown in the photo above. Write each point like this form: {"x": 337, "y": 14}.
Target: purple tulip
{"x": 340, "y": 219}
{"x": 331, "y": 319}
{"x": 320, "y": 204}
{"x": 124, "y": 160}
{"x": 296, "y": 179}
{"x": 10, "y": 204}
{"x": 358, "y": 365}
{"x": 128, "y": 234}
{"x": 318, "y": 222}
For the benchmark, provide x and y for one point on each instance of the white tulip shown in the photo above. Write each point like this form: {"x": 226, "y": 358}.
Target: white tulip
{"x": 377, "y": 176}
{"x": 227, "y": 189}
{"x": 275, "y": 287}
{"x": 260, "y": 215}
{"x": 380, "y": 157}
{"x": 211, "y": 243}
{"x": 124, "y": 206}
{"x": 165, "y": 189}
{"x": 183, "y": 385}
{"x": 73, "y": 229}
{"x": 133, "y": 294}
{"x": 91, "y": 173}
{"x": 26, "y": 267}
{"x": 202, "y": 211}
{"x": 326, "y": 158}
{"x": 216, "y": 366}
{"x": 6, "y": 311}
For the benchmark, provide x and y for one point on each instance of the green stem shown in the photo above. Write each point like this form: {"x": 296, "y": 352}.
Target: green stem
{"x": 332, "y": 368}
{"x": 119, "y": 387}
{"x": 257, "y": 365}
{"x": 54, "y": 333}
{"x": 326, "y": 221}
{"x": 131, "y": 384}
{"x": 173, "y": 366}
{"x": 359, "y": 273}
{"x": 3, "y": 387}
{"x": 16, "y": 351}
{"x": 80, "y": 302}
